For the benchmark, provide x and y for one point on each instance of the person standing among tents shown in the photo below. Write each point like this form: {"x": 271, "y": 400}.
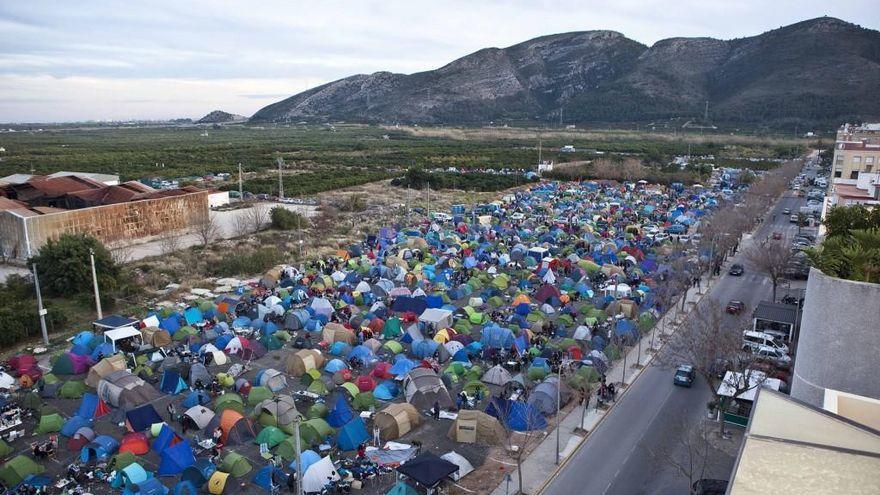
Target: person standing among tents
{"x": 436, "y": 409}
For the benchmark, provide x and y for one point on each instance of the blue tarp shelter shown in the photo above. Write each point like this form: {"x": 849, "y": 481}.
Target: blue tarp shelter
{"x": 142, "y": 418}
{"x": 518, "y": 416}
{"x": 352, "y": 434}
{"x": 341, "y": 413}
{"x": 175, "y": 459}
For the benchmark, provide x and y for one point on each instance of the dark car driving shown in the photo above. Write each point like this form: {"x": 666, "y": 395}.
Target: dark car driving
{"x": 736, "y": 270}
{"x": 684, "y": 376}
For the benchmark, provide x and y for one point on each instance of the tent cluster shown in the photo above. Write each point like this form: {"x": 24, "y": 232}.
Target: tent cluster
{"x": 473, "y": 315}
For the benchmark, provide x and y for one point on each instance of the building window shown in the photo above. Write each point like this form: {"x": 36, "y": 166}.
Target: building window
{"x": 857, "y": 159}
{"x": 839, "y": 160}
{"x": 854, "y": 174}
{"x": 868, "y": 168}
{"x": 838, "y": 173}
{"x": 869, "y": 159}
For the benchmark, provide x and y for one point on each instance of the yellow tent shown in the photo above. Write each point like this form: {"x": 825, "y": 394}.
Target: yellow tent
{"x": 217, "y": 482}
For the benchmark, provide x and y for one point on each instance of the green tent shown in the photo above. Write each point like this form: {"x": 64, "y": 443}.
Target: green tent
{"x": 364, "y": 401}
{"x": 318, "y": 410}
{"x": 13, "y": 471}
{"x": 31, "y": 401}
{"x": 612, "y": 352}
{"x": 472, "y": 387}
{"x": 401, "y": 488}
{"x": 455, "y": 368}
{"x": 287, "y": 449}
{"x": 123, "y": 460}
{"x": 50, "y": 423}
{"x": 536, "y": 374}
{"x": 310, "y": 376}
{"x": 235, "y": 464}
{"x": 475, "y": 372}
{"x": 318, "y": 387}
{"x": 5, "y": 449}
{"x": 589, "y": 373}
{"x": 495, "y": 302}
{"x": 50, "y": 379}
{"x": 228, "y": 401}
{"x": 258, "y": 394}
{"x": 184, "y": 332}
{"x": 463, "y": 326}
{"x": 271, "y": 342}
{"x": 351, "y": 388}
{"x": 271, "y": 436}
{"x": 282, "y": 335}
{"x": 391, "y": 329}
{"x": 567, "y": 342}
{"x": 393, "y": 346}
{"x": 63, "y": 365}
{"x": 314, "y": 431}
{"x": 72, "y": 389}
{"x": 566, "y": 320}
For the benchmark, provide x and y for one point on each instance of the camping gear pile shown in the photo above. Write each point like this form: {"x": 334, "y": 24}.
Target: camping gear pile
{"x": 368, "y": 344}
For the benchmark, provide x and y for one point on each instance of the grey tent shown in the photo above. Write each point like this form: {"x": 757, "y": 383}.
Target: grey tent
{"x": 543, "y": 397}
{"x": 423, "y": 387}
{"x": 497, "y": 375}
{"x": 123, "y": 389}
{"x": 279, "y": 411}
{"x": 199, "y": 416}
{"x": 198, "y": 371}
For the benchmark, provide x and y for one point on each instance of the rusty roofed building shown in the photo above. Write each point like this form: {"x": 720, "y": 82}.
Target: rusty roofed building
{"x": 41, "y": 208}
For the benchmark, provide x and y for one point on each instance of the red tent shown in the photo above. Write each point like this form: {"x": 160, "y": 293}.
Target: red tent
{"x": 575, "y": 353}
{"x": 365, "y": 383}
{"x": 381, "y": 371}
{"x": 134, "y": 442}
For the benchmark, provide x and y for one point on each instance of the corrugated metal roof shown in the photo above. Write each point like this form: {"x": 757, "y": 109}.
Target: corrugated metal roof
{"x": 783, "y": 313}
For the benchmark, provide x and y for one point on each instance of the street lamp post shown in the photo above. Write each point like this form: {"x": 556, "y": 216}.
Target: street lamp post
{"x": 563, "y": 364}
{"x": 95, "y": 283}
{"x": 42, "y": 311}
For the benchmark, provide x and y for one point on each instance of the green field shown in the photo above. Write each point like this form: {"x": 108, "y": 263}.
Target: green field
{"x": 326, "y": 157}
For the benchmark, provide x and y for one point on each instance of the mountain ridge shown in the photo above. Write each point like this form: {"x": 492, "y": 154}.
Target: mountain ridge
{"x": 818, "y": 70}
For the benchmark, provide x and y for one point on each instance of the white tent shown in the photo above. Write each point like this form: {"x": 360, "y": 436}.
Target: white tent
{"x": 200, "y": 415}
{"x": 464, "y": 466}
{"x": 234, "y": 346}
{"x": 496, "y": 375}
{"x": 453, "y": 346}
{"x": 581, "y": 333}
{"x": 439, "y": 318}
{"x": 363, "y": 288}
{"x": 617, "y": 290}
{"x": 322, "y": 306}
{"x": 318, "y": 474}
{"x": 549, "y": 277}
{"x": 6, "y": 381}
{"x": 337, "y": 276}
{"x": 117, "y": 335}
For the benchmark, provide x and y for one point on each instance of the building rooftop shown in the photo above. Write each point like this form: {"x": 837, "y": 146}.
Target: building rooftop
{"x": 772, "y": 311}
{"x": 15, "y": 179}
{"x": 857, "y": 146}
{"x": 108, "y": 179}
{"x": 10, "y": 204}
{"x": 793, "y": 448}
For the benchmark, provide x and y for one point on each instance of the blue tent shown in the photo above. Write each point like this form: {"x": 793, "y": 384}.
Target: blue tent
{"x": 184, "y": 487}
{"x": 461, "y": 356}
{"x": 241, "y": 322}
{"x": 175, "y": 459}
{"x": 150, "y": 486}
{"x": 84, "y": 339}
{"x": 626, "y": 328}
{"x": 88, "y": 406}
{"x": 102, "y": 447}
{"x": 424, "y": 348}
{"x": 101, "y": 351}
{"x": 335, "y": 365}
{"x": 74, "y": 423}
{"x": 402, "y": 365}
{"x": 307, "y": 457}
{"x": 196, "y": 398}
{"x": 518, "y": 416}
{"x": 434, "y": 301}
{"x": 165, "y": 438}
{"x": 171, "y": 324}
{"x": 199, "y": 473}
{"x": 339, "y": 349}
{"x": 352, "y": 434}
{"x": 264, "y": 478}
{"x": 542, "y": 363}
{"x": 405, "y": 304}
{"x": 387, "y": 390}
{"x": 142, "y": 418}
{"x": 340, "y": 414}
{"x": 497, "y": 337}
{"x": 221, "y": 340}
{"x": 362, "y": 353}
{"x": 193, "y": 316}
{"x": 81, "y": 350}
{"x": 172, "y": 383}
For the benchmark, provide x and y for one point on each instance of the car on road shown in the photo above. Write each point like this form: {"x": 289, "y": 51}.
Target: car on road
{"x": 793, "y": 218}
{"x": 708, "y": 486}
{"x": 735, "y": 307}
{"x": 736, "y": 270}
{"x": 777, "y": 236}
{"x": 786, "y": 211}
{"x": 772, "y": 355}
{"x": 684, "y": 376}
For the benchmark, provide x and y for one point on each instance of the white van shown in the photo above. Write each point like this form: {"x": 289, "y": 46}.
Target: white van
{"x": 753, "y": 340}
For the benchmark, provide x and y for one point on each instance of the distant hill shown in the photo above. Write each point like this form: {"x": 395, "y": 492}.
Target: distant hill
{"x": 818, "y": 71}
{"x": 220, "y": 117}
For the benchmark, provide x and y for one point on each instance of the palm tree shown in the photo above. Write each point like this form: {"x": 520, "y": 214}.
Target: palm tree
{"x": 855, "y": 256}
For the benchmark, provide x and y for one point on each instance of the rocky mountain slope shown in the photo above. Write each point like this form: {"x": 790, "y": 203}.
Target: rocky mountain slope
{"x": 821, "y": 70}
{"x": 220, "y": 117}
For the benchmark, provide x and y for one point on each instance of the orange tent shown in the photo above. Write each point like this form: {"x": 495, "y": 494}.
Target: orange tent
{"x": 521, "y": 299}
{"x": 135, "y": 442}
{"x": 236, "y": 428}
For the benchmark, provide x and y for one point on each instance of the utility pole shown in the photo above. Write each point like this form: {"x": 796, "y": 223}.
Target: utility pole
{"x": 299, "y": 472}
{"x": 95, "y": 283}
{"x": 40, "y": 306}
{"x": 706, "y": 113}
{"x": 540, "y": 155}
{"x": 240, "y": 187}
{"x": 280, "y": 180}
{"x": 560, "y": 116}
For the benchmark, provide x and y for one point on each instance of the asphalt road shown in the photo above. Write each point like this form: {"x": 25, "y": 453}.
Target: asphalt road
{"x": 624, "y": 454}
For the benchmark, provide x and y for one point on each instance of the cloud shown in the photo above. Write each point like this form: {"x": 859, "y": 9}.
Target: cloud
{"x": 282, "y": 46}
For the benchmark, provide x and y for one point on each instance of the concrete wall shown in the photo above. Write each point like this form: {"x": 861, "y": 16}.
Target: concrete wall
{"x": 12, "y": 235}
{"x": 115, "y": 225}
{"x": 839, "y": 339}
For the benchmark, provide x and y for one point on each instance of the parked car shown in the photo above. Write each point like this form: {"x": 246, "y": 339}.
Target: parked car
{"x": 793, "y": 218}
{"x": 786, "y": 211}
{"x": 754, "y": 340}
{"x": 684, "y": 376}
{"x": 736, "y": 270}
{"x": 735, "y": 307}
{"x": 708, "y": 486}
{"x": 772, "y": 355}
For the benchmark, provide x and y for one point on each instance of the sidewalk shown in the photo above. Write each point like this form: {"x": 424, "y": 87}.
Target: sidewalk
{"x": 540, "y": 466}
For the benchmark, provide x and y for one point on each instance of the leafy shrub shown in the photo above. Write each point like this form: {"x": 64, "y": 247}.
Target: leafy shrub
{"x": 19, "y": 320}
{"x": 284, "y": 219}
{"x": 247, "y": 263}
{"x": 64, "y": 267}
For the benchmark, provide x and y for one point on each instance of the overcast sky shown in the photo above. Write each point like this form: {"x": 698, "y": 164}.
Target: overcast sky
{"x": 108, "y": 60}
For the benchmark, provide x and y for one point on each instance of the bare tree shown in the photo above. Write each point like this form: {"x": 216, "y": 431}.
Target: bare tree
{"x": 257, "y": 216}
{"x": 207, "y": 230}
{"x": 519, "y": 443}
{"x": 770, "y": 258}
{"x": 241, "y": 225}
{"x": 170, "y": 242}
{"x": 711, "y": 342}
{"x": 691, "y": 453}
